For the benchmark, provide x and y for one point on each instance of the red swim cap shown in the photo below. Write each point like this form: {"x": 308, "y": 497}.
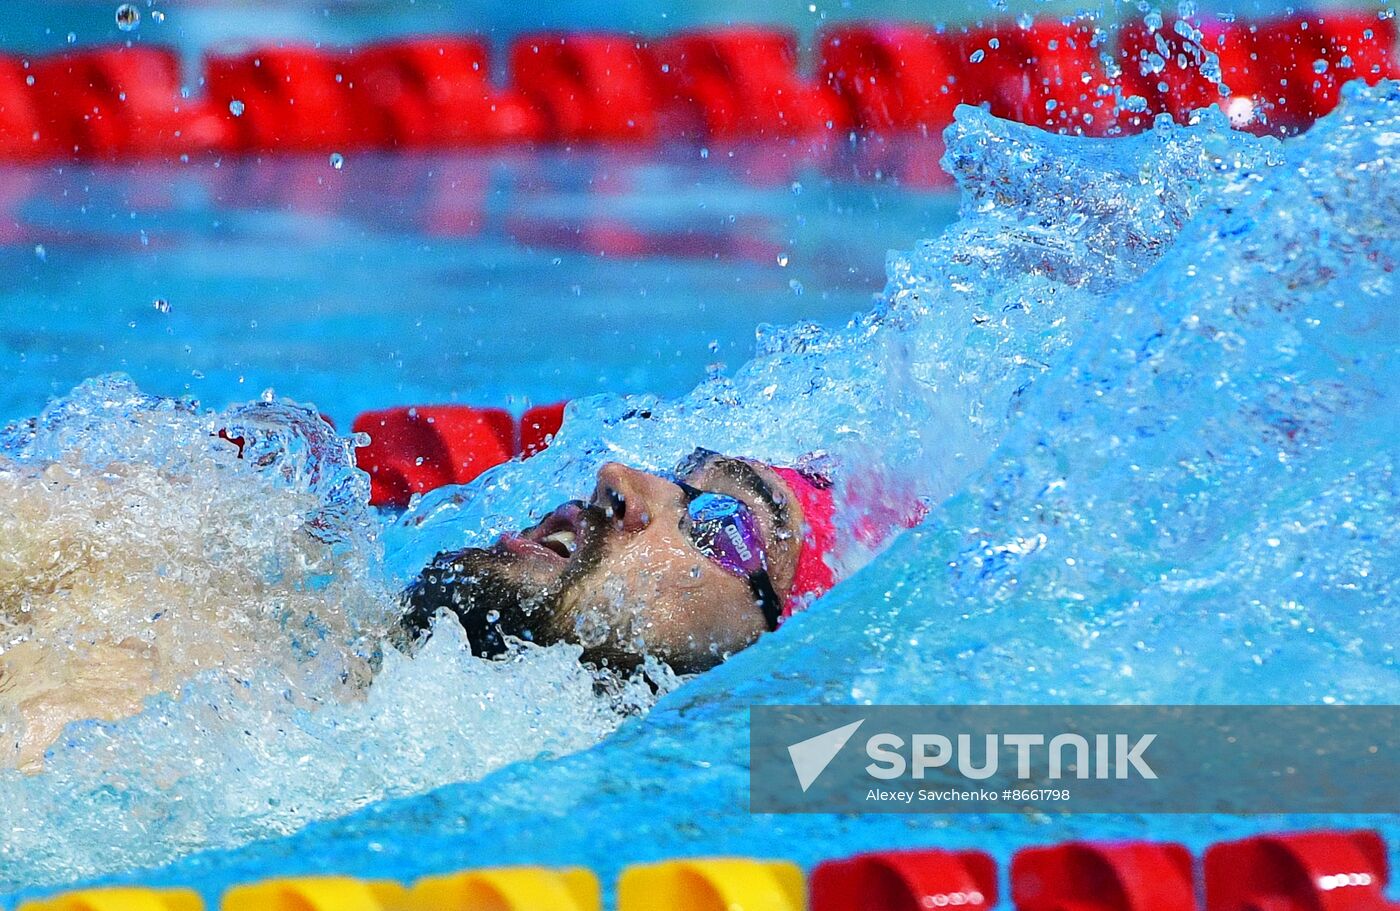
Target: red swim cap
{"x": 883, "y": 515}
{"x": 813, "y": 577}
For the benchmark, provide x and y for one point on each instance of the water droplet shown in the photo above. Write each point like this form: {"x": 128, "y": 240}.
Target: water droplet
{"x": 40, "y": 253}
{"x": 1319, "y": 66}
{"x": 796, "y": 287}
{"x": 337, "y": 160}
{"x": 157, "y": 16}
{"x": 783, "y": 260}
{"x": 977, "y": 55}
{"x": 128, "y": 17}
{"x": 796, "y": 188}
{"x": 493, "y": 616}
{"x": 29, "y": 80}
{"x": 1025, "y": 20}
{"x": 72, "y": 37}
{"x": 995, "y": 43}
{"x": 161, "y": 304}
{"x": 236, "y": 107}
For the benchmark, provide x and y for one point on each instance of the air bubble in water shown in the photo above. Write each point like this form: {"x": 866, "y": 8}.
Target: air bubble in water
{"x": 161, "y": 304}
{"x": 236, "y": 107}
{"x": 1319, "y": 66}
{"x": 977, "y": 55}
{"x": 128, "y": 17}
{"x": 337, "y": 160}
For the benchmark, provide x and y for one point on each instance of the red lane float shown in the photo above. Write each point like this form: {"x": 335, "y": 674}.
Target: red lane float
{"x": 538, "y": 426}
{"x": 588, "y": 87}
{"x": 905, "y": 881}
{"x": 1118, "y": 876}
{"x": 744, "y": 82}
{"x": 19, "y": 119}
{"x": 434, "y": 93}
{"x": 415, "y": 450}
{"x": 290, "y": 98}
{"x": 1281, "y": 73}
{"x": 1062, "y": 79}
{"x": 1302, "y": 871}
{"x": 1314, "y": 55}
{"x": 110, "y": 101}
{"x": 892, "y": 77}
{"x": 1164, "y": 68}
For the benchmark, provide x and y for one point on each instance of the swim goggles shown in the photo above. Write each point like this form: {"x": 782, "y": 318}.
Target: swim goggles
{"x": 724, "y": 529}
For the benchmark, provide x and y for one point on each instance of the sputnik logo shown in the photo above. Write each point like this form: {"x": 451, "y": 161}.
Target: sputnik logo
{"x": 810, "y": 757}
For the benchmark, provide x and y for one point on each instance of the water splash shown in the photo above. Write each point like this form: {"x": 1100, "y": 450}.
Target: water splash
{"x": 1145, "y": 387}
{"x": 1192, "y": 497}
{"x": 204, "y": 588}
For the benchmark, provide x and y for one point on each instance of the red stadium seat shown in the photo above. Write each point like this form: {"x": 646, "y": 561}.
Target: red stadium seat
{"x": 414, "y": 450}
{"x": 1301, "y": 871}
{"x": 892, "y": 77}
{"x": 743, "y": 81}
{"x": 1086, "y": 876}
{"x": 435, "y": 93}
{"x": 905, "y": 881}
{"x": 588, "y": 86}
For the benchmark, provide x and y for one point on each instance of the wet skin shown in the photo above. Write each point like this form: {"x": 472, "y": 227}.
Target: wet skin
{"x": 618, "y": 573}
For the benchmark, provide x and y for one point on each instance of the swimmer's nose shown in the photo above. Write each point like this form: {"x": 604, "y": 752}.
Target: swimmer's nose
{"x": 631, "y": 498}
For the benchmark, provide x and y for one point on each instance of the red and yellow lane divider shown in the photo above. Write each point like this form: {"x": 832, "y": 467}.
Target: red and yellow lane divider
{"x": 732, "y": 82}
{"x": 1319, "y": 871}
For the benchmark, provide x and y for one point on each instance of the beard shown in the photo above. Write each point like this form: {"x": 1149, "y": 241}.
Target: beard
{"x": 495, "y": 600}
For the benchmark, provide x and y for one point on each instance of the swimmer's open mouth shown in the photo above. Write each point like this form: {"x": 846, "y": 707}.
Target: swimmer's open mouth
{"x": 556, "y": 537}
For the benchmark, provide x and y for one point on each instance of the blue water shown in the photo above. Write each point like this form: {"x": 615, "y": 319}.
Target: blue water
{"x": 1148, "y": 387}
{"x": 407, "y": 280}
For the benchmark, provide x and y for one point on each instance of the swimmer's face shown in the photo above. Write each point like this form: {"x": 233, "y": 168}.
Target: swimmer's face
{"x": 619, "y": 574}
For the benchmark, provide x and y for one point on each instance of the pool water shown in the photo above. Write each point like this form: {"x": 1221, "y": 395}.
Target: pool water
{"x": 402, "y": 280}
{"x": 1146, "y": 386}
